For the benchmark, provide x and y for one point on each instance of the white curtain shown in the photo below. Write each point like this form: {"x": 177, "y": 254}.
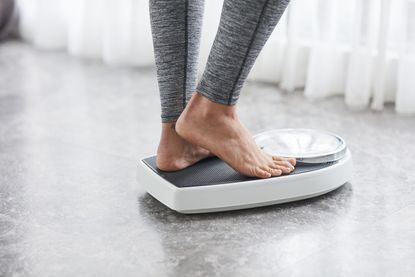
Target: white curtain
{"x": 118, "y": 32}
{"x": 362, "y": 49}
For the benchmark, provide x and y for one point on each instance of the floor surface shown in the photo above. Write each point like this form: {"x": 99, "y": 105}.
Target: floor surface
{"x": 72, "y": 131}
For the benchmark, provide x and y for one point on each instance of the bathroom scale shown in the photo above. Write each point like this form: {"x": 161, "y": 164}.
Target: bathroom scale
{"x": 324, "y": 163}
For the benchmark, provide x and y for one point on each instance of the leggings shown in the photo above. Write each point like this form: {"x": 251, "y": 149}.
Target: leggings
{"x": 244, "y": 27}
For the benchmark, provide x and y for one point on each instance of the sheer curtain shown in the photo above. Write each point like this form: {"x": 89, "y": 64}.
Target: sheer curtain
{"x": 118, "y": 32}
{"x": 362, "y": 49}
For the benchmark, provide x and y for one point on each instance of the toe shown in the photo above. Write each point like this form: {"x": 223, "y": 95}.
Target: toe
{"x": 291, "y": 161}
{"x": 284, "y": 168}
{"x": 285, "y": 164}
{"x": 261, "y": 173}
{"x": 277, "y": 158}
{"x": 275, "y": 171}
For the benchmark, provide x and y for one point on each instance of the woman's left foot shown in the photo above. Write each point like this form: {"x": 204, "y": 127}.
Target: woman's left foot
{"x": 175, "y": 153}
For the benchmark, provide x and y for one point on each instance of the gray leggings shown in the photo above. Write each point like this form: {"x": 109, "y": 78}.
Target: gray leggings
{"x": 244, "y": 27}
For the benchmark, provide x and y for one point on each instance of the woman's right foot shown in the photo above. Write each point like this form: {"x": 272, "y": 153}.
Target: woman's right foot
{"x": 216, "y": 127}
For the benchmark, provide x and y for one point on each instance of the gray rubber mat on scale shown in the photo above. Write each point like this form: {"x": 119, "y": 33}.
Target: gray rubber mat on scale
{"x": 213, "y": 171}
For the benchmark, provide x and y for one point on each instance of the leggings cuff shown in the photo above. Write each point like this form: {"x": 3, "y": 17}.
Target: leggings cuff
{"x": 169, "y": 118}
{"x": 214, "y": 95}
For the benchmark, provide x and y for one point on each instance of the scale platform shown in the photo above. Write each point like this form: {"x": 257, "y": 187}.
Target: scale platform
{"x": 211, "y": 185}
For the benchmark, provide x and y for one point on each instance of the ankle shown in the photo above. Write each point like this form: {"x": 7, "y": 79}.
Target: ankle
{"x": 205, "y": 108}
{"x": 168, "y": 132}
{"x": 168, "y": 128}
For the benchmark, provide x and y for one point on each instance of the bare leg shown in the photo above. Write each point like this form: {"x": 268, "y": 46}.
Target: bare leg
{"x": 176, "y": 27}
{"x": 210, "y": 119}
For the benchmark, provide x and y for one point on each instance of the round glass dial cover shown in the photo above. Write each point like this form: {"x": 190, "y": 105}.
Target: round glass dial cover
{"x": 304, "y": 144}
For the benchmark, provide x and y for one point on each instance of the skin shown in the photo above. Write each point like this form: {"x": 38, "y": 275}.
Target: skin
{"x": 174, "y": 152}
{"x": 207, "y": 128}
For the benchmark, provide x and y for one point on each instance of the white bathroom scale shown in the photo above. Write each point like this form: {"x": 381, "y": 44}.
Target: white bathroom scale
{"x": 323, "y": 164}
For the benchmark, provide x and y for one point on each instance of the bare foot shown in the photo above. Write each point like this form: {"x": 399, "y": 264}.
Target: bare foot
{"x": 216, "y": 127}
{"x": 174, "y": 153}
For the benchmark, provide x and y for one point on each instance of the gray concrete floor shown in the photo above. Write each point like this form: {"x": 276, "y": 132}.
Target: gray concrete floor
{"x": 71, "y": 132}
